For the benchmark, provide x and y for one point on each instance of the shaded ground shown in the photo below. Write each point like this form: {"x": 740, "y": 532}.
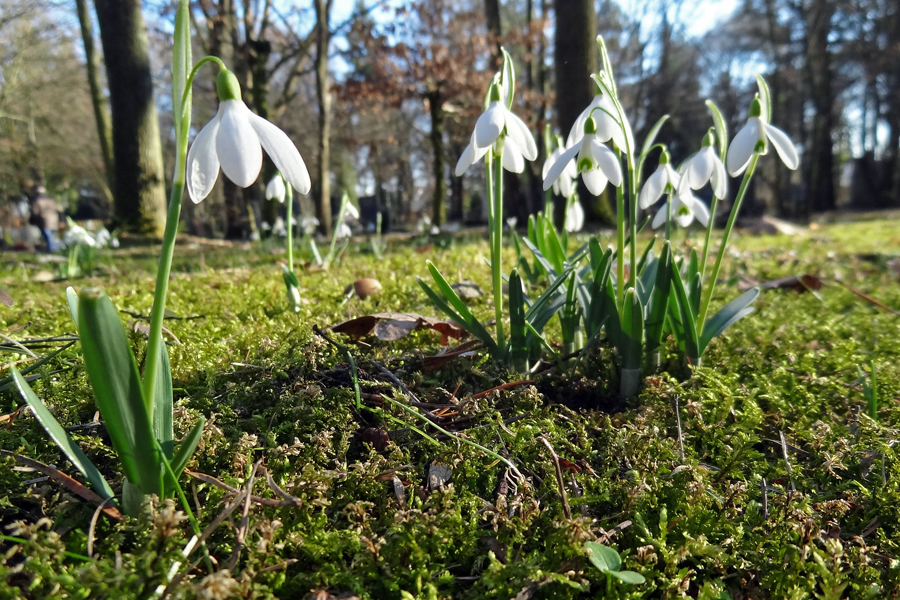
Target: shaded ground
{"x": 367, "y": 521}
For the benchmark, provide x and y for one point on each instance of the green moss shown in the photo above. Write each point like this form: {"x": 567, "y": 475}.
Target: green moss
{"x": 271, "y": 389}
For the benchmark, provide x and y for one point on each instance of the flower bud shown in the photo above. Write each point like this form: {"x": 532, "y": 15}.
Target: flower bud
{"x": 227, "y": 86}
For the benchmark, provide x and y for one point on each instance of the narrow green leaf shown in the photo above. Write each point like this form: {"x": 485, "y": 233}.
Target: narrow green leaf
{"x": 556, "y": 253}
{"x": 765, "y": 97}
{"x": 449, "y": 293}
{"x": 187, "y": 447}
{"x": 163, "y": 404}
{"x": 72, "y": 300}
{"x": 606, "y": 559}
{"x": 693, "y": 280}
{"x": 721, "y": 128}
{"x": 114, "y": 377}
{"x": 632, "y": 331}
{"x": 541, "y": 259}
{"x": 518, "y": 350}
{"x": 61, "y": 437}
{"x": 644, "y": 255}
{"x": 688, "y": 319}
{"x": 509, "y": 75}
{"x": 659, "y": 299}
{"x": 729, "y": 314}
{"x": 628, "y": 577}
{"x": 651, "y": 137}
{"x": 475, "y": 328}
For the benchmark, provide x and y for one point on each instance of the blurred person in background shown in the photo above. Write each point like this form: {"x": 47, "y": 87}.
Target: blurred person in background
{"x": 45, "y": 216}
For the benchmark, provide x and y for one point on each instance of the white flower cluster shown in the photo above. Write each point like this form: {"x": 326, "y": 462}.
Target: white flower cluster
{"x": 76, "y": 235}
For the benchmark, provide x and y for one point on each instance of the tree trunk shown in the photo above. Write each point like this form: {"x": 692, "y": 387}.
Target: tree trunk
{"x": 819, "y": 171}
{"x": 101, "y": 110}
{"x": 495, "y": 30}
{"x": 140, "y": 195}
{"x": 439, "y": 198}
{"x": 575, "y": 58}
{"x": 259, "y": 51}
{"x": 323, "y": 94}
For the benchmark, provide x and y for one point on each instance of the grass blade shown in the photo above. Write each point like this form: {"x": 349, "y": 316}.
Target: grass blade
{"x": 61, "y": 437}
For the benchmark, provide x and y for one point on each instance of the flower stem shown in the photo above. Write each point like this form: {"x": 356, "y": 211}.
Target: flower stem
{"x": 620, "y": 253}
{"x": 669, "y": 218}
{"x": 154, "y": 343}
{"x": 289, "y": 198}
{"x": 742, "y": 191}
{"x": 709, "y": 228}
{"x": 633, "y": 205}
{"x": 495, "y": 198}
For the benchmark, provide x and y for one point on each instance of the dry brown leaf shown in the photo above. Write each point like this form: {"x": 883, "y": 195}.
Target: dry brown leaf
{"x": 390, "y": 327}
{"x": 798, "y": 283}
{"x": 5, "y": 298}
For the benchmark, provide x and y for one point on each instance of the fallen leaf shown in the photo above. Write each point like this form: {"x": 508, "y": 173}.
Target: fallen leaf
{"x": 438, "y": 476}
{"x": 390, "y": 327}
{"x": 433, "y": 363}
{"x": 67, "y": 482}
{"x": 140, "y": 327}
{"x": 870, "y": 299}
{"x": 5, "y": 298}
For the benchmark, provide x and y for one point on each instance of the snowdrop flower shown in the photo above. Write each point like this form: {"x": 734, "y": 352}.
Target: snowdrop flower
{"x": 498, "y": 128}
{"x": 103, "y": 237}
{"x": 308, "y": 224}
{"x": 685, "y": 208}
{"x": 78, "y": 235}
{"x": 575, "y": 217}
{"x": 435, "y": 230}
{"x": 596, "y": 163}
{"x": 753, "y": 139}
{"x": 705, "y": 166}
{"x": 664, "y": 178}
{"x": 565, "y": 184}
{"x": 424, "y": 224}
{"x": 275, "y": 189}
{"x": 602, "y": 110}
{"x": 350, "y": 211}
{"x": 511, "y": 223}
{"x": 344, "y": 231}
{"x": 234, "y": 141}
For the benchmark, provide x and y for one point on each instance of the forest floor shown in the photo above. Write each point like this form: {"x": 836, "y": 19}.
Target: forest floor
{"x": 785, "y": 487}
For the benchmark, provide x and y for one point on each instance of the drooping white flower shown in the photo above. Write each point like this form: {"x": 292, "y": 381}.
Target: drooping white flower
{"x": 344, "y": 231}
{"x": 663, "y": 178}
{"x": 685, "y": 208}
{"x": 234, "y": 140}
{"x": 498, "y": 128}
{"x": 754, "y": 138}
{"x": 275, "y": 189}
{"x": 103, "y": 237}
{"x": 703, "y": 167}
{"x": 596, "y": 163}
{"x": 511, "y": 223}
{"x": 308, "y": 224}
{"x": 350, "y": 211}
{"x": 77, "y": 235}
{"x": 575, "y": 217}
{"x": 565, "y": 184}
{"x": 602, "y": 110}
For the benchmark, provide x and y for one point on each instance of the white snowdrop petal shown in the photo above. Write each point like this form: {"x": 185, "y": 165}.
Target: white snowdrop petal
{"x": 551, "y": 158}
{"x": 742, "y": 147}
{"x": 237, "y": 144}
{"x": 202, "y": 161}
{"x": 490, "y": 125}
{"x": 566, "y": 185}
{"x": 513, "y": 160}
{"x": 519, "y": 131}
{"x": 659, "y": 218}
{"x": 577, "y": 131}
{"x": 653, "y": 188}
{"x": 575, "y": 218}
{"x": 557, "y": 168}
{"x": 681, "y": 210}
{"x": 719, "y": 179}
{"x": 595, "y": 181}
{"x": 275, "y": 189}
{"x": 283, "y": 153}
{"x": 608, "y": 162}
{"x": 466, "y": 160}
{"x": 701, "y": 212}
{"x": 701, "y": 167}
{"x": 783, "y": 146}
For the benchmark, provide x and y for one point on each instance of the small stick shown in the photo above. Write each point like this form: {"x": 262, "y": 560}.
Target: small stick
{"x": 93, "y": 528}
{"x": 765, "y": 497}
{"x": 678, "y": 423}
{"x": 559, "y": 478}
{"x": 395, "y": 380}
{"x": 245, "y": 519}
{"x": 787, "y": 462}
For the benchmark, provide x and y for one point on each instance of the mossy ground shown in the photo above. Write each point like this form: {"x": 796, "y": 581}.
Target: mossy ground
{"x": 272, "y": 390}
